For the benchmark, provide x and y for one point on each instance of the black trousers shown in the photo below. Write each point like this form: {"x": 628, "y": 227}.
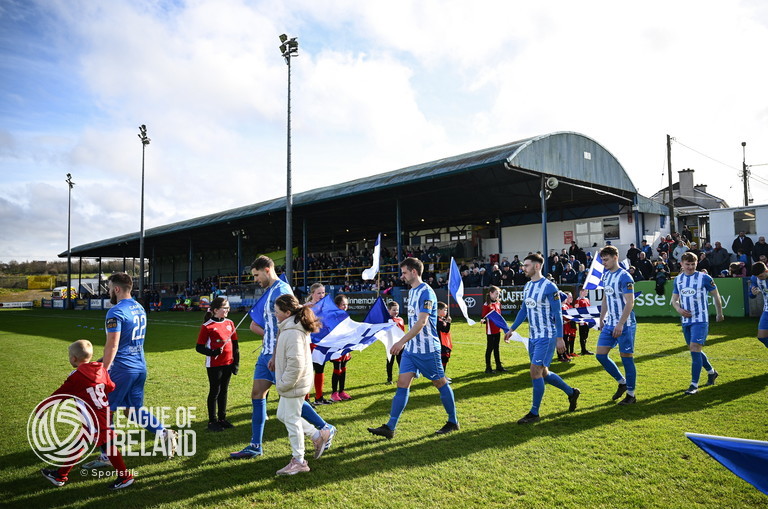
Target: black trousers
{"x": 492, "y": 345}
{"x": 391, "y": 364}
{"x": 218, "y": 382}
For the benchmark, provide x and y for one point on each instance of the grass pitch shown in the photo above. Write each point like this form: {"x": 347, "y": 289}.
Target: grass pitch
{"x": 602, "y": 455}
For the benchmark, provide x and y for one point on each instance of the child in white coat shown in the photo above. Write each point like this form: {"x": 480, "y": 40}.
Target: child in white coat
{"x": 294, "y": 375}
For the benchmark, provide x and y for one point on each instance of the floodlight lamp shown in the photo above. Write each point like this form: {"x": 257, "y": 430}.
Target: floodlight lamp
{"x": 283, "y": 37}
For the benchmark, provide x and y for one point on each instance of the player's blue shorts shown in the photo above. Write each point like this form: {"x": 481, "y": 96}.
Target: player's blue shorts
{"x": 427, "y": 364}
{"x": 763, "y": 325}
{"x": 626, "y": 341}
{"x": 262, "y": 372}
{"x": 696, "y": 333}
{"x": 129, "y": 389}
{"x": 541, "y": 350}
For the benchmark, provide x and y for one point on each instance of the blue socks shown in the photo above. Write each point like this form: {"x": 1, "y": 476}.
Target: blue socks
{"x": 449, "y": 403}
{"x": 555, "y": 380}
{"x": 258, "y": 419}
{"x": 610, "y": 366}
{"x": 631, "y": 371}
{"x": 763, "y": 341}
{"x": 696, "y": 362}
{"x": 538, "y": 394}
{"x": 311, "y": 416}
{"x": 705, "y": 362}
{"x": 149, "y": 421}
{"x": 398, "y": 405}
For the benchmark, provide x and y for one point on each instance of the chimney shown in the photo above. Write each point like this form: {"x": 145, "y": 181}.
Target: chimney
{"x": 686, "y": 183}
{"x": 701, "y": 187}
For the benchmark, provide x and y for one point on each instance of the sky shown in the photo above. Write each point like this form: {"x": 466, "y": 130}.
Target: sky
{"x": 377, "y": 86}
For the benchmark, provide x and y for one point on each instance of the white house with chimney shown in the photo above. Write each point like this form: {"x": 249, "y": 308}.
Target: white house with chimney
{"x": 692, "y": 204}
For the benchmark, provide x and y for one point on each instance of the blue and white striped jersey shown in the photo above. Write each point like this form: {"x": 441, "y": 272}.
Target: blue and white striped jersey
{"x": 762, "y": 285}
{"x": 422, "y": 299}
{"x": 541, "y": 302}
{"x": 616, "y": 284}
{"x": 274, "y": 291}
{"x": 693, "y": 292}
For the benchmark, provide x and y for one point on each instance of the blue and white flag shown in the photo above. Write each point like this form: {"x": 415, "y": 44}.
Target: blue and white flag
{"x": 597, "y": 269}
{"x": 495, "y": 318}
{"x": 340, "y": 334}
{"x": 583, "y": 316}
{"x": 369, "y": 274}
{"x": 456, "y": 288}
{"x": 747, "y": 459}
{"x": 257, "y": 311}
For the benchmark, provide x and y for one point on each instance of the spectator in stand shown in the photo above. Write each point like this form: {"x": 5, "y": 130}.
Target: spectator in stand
{"x": 575, "y": 263}
{"x": 644, "y": 266}
{"x": 744, "y": 244}
{"x": 507, "y": 276}
{"x": 505, "y": 262}
{"x": 581, "y": 276}
{"x": 678, "y": 252}
{"x": 719, "y": 259}
{"x": 492, "y": 332}
{"x": 707, "y": 248}
{"x": 557, "y": 269}
{"x": 645, "y": 248}
{"x": 519, "y": 277}
{"x": 496, "y": 276}
{"x": 515, "y": 264}
{"x": 663, "y": 247}
{"x": 737, "y": 269}
{"x": 633, "y": 254}
{"x": 703, "y": 264}
{"x": 484, "y": 278}
{"x": 760, "y": 248}
{"x": 569, "y": 276}
{"x": 636, "y": 274}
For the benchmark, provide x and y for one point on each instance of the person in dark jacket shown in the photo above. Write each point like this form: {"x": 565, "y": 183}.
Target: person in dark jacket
{"x": 744, "y": 244}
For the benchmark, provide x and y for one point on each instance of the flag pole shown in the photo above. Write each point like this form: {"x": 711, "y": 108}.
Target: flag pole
{"x": 378, "y": 284}
{"x": 449, "y": 289}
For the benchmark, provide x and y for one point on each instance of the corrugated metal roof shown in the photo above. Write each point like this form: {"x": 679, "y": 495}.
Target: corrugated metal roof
{"x": 567, "y": 155}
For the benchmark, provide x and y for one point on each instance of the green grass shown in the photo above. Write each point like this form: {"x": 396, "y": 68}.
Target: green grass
{"x": 601, "y": 455}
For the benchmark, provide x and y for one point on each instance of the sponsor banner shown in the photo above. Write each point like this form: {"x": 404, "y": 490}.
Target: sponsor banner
{"x": 27, "y": 304}
{"x": 46, "y": 303}
{"x": 58, "y": 303}
{"x": 81, "y": 304}
{"x": 95, "y": 304}
{"x": 650, "y": 304}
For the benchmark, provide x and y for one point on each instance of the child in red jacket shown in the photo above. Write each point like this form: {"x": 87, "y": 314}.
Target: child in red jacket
{"x": 444, "y": 331}
{"x": 90, "y": 383}
{"x": 492, "y": 332}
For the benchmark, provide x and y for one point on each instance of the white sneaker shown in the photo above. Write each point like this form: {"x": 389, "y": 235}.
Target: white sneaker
{"x": 171, "y": 438}
{"x": 101, "y": 462}
{"x": 294, "y": 467}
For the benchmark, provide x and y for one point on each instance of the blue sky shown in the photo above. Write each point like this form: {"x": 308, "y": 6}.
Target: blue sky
{"x": 377, "y": 86}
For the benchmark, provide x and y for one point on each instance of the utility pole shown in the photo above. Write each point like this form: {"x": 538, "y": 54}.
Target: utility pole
{"x": 745, "y": 172}
{"x": 671, "y": 203}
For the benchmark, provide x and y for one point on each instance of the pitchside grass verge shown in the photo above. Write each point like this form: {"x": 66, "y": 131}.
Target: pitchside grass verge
{"x": 601, "y": 455}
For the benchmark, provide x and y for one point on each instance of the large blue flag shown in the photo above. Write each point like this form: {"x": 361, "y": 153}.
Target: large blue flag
{"x": 257, "y": 311}
{"x": 495, "y": 318}
{"x": 597, "y": 269}
{"x": 456, "y": 287}
{"x": 283, "y": 277}
{"x": 747, "y": 459}
{"x": 378, "y": 313}
{"x": 369, "y": 274}
{"x": 340, "y": 334}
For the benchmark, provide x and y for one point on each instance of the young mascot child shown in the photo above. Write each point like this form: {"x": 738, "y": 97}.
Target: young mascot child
{"x": 90, "y": 383}
{"x": 394, "y": 309}
{"x": 444, "y": 330}
{"x": 294, "y": 376}
{"x": 339, "y": 379}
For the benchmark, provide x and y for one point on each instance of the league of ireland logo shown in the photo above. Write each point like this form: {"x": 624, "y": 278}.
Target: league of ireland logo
{"x": 61, "y": 429}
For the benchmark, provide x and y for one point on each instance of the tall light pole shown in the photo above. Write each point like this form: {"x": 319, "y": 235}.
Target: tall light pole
{"x": 144, "y": 142}
{"x": 70, "y": 184}
{"x": 289, "y": 48}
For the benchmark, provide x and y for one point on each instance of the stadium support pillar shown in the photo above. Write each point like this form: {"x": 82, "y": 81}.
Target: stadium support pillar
{"x": 399, "y": 231}
{"x": 173, "y": 268}
{"x": 79, "y": 276}
{"x": 498, "y": 235}
{"x": 98, "y": 278}
{"x": 544, "y": 250}
{"x": 239, "y": 255}
{"x": 152, "y": 268}
{"x": 189, "y": 265}
{"x": 304, "y": 253}
{"x": 124, "y": 266}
